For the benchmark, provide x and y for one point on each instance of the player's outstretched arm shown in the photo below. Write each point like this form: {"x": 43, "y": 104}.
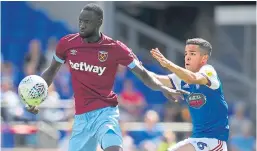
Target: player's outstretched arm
{"x": 153, "y": 83}
{"x": 164, "y": 79}
{"x": 127, "y": 58}
{"x": 184, "y": 74}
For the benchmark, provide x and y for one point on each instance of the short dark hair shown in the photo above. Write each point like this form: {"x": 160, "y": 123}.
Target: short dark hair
{"x": 203, "y": 44}
{"x": 95, "y": 8}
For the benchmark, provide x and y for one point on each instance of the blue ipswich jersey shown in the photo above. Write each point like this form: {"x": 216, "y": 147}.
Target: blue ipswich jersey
{"x": 207, "y": 106}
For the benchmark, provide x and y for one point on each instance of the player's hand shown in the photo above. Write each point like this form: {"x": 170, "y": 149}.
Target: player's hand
{"x": 159, "y": 57}
{"x": 172, "y": 94}
{"x": 32, "y": 109}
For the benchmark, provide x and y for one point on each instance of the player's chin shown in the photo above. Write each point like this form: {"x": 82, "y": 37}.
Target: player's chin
{"x": 83, "y": 35}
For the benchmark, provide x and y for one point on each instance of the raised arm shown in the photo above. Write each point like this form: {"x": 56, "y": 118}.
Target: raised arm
{"x": 164, "y": 79}
{"x": 146, "y": 77}
{"x": 152, "y": 82}
{"x": 126, "y": 57}
{"x": 184, "y": 74}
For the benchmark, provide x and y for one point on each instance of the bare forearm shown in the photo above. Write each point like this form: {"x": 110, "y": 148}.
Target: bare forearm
{"x": 151, "y": 81}
{"x": 148, "y": 79}
{"x": 48, "y": 75}
{"x": 182, "y": 73}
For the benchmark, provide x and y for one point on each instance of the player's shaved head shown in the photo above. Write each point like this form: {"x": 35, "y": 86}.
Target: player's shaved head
{"x": 95, "y": 8}
{"x": 204, "y": 45}
{"x": 90, "y": 21}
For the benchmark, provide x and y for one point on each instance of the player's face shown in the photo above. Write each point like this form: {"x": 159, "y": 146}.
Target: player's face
{"x": 88, "y": 23}
{"x": 193, "y": 58}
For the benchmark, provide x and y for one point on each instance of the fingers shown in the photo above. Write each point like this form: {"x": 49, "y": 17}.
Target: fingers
{"x": 183, "y": 92}
{"x": 32, "y": 109}
{"x": 158, "y": 56}
{"x": 156, "y": 53}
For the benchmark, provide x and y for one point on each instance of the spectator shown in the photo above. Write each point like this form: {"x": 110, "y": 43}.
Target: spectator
{"x": 152, "y": 133}
{"x": 62, "y": 83}
{"x": 168, "y": 140}
{"x": 244, "y": 141}
{"x": 9, "y": 72}
{"x": 132, "y": 102}
{"x": 120, "y": 78}
{"x": 128, "y": 142}
{"x": 237, "y": 119}
{"x": 185, "y": 114}
{"x": 172, "y": 112}
{"x": 50, "y": 50}
{"x": 51, "y": 106}
{"x": 13, "y": 108}
{"x": 34, "y": 60}
{"x": 1, "y": 59}
{"x": 53, "y": 97}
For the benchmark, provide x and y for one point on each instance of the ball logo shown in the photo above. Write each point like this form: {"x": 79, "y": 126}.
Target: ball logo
{"x": 196, "y": 100}
{"x": 102, "y": 56}
{"x": 37, "y": 91}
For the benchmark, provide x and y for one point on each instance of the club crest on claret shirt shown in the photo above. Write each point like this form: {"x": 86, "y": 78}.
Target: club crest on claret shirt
{"x": 73, "y": 52}
{"x": 102, "y": 56}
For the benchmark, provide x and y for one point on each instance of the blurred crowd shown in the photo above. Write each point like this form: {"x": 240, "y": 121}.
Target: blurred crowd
{"x": 134, "y": 106}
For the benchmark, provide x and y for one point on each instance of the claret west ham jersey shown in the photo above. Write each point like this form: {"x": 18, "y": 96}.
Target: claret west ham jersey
{"x": 93, "y": 67}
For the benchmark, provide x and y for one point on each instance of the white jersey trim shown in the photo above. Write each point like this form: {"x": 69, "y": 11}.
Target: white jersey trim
{"x": 175, "y": 81}
{"x": 210, "y": 73}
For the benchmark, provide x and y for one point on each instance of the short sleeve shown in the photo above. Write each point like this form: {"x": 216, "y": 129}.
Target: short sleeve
{"x": 175, "y": 81}
{"x": 59, "y": 55}
{"x": 126, "y": 57}
{"x": 209, "y": 72}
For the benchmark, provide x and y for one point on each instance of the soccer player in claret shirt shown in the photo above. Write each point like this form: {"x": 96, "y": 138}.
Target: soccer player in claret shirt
{"x": 93, "y": 59}
{"x": 206, "y": 103}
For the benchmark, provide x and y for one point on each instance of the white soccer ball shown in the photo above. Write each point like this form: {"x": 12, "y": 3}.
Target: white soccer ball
{"x": 33, "y": 90}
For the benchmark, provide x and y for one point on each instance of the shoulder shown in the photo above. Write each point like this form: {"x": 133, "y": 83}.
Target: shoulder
{"x": 118, "y": 46}
{"x": 116, "y": 43}
{"x": 69, "y": 38}
{"x": 207, "y": 66}
{"x": 209, "y": 70}
{"x": 108, "y": 41}
{"x": 65, "y": 43}
{"x": 121, "y": 44}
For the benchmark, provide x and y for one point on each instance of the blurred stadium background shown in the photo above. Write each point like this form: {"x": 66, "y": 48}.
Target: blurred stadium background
{"x": 30, "y": 31}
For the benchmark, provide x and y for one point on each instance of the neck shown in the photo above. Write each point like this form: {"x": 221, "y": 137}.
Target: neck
{"x": 203, "y": 64}
{"x": 94, "y": 38}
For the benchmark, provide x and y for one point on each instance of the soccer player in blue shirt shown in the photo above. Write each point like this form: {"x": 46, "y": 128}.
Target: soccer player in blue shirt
{"x": 206, "y": 103}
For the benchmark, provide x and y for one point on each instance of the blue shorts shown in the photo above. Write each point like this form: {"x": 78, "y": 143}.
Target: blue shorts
{"x": 98, "y": 126}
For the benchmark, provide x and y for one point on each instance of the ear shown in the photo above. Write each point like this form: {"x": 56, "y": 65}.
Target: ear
{"x": 100, "y": 22}
{"x": 205, "y": 58}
